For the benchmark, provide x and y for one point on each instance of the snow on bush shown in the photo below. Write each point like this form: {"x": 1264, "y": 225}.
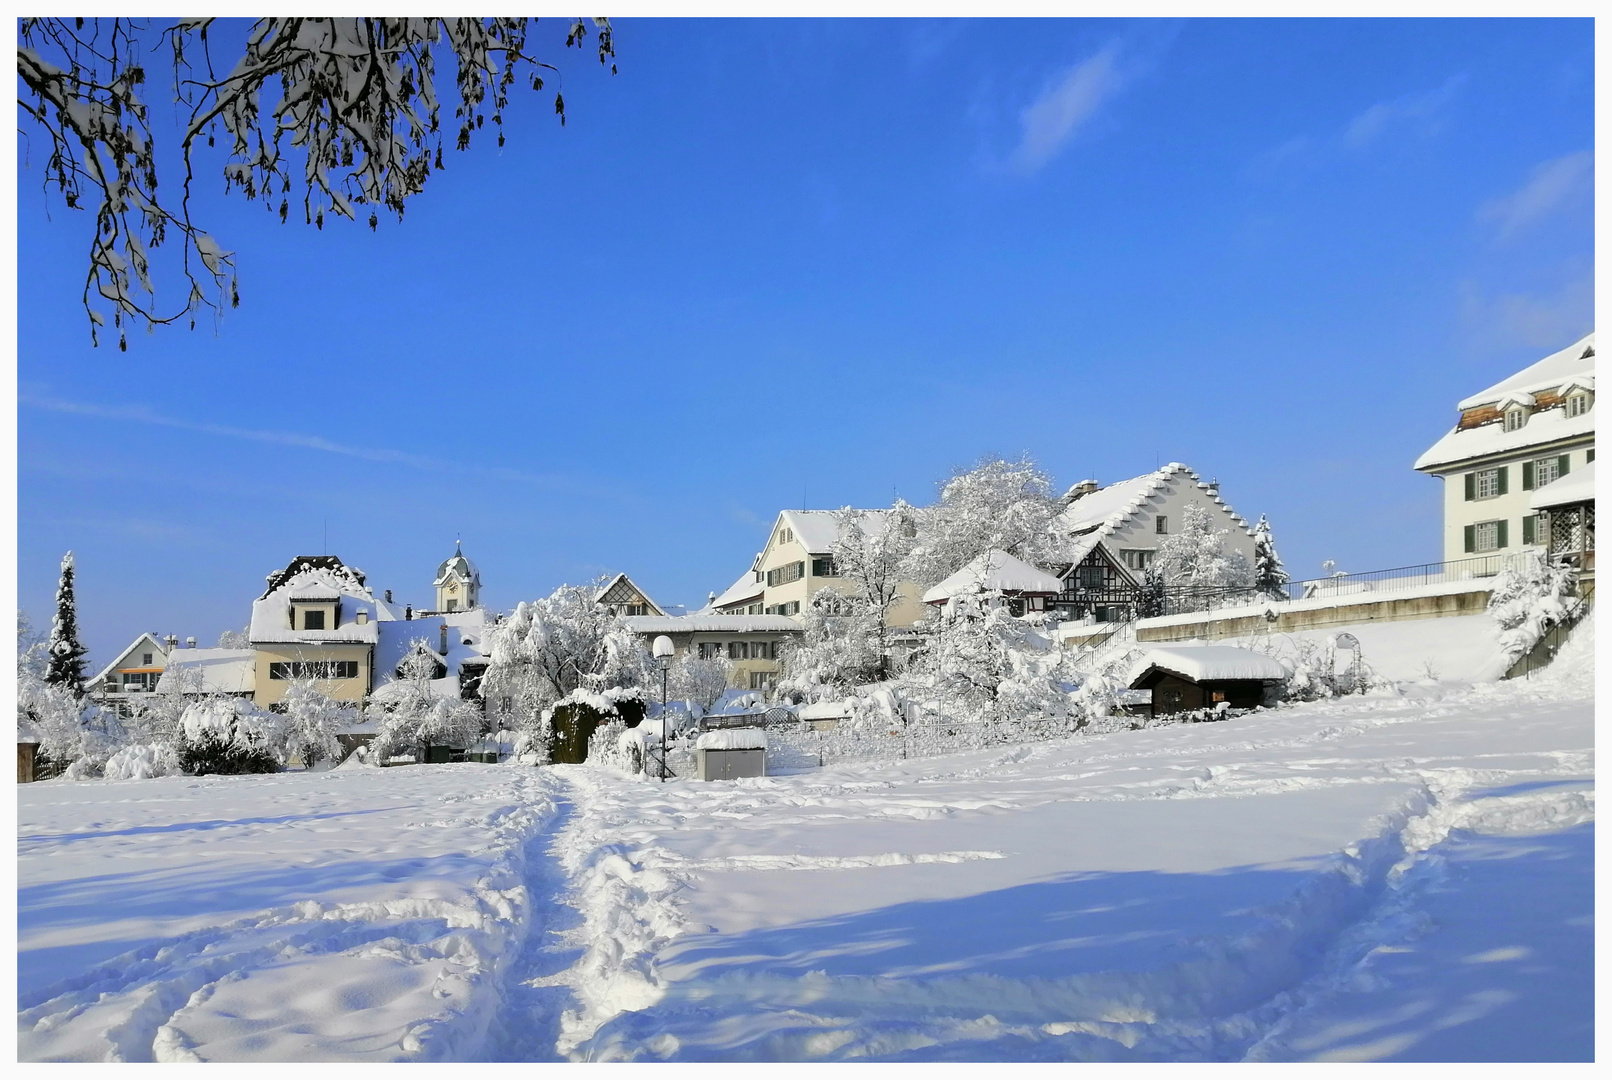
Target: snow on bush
{"x": 228, "y": 735}
{"x": 312, "y": 721}
{"x": 1530, "y": 595}
{"x": 142, "y": 761}
{"x": 1196, "y": 564}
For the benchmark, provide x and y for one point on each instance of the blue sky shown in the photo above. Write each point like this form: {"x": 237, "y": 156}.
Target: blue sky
{"x": 771, "y": 263}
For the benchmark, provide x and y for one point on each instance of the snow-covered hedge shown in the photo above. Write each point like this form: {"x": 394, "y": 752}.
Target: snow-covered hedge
{"x": 228, "y": 735}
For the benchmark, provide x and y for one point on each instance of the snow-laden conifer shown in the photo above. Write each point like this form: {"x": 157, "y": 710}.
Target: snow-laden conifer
{"x": 1270, "y": 577}
{"x": 66, "y": 663}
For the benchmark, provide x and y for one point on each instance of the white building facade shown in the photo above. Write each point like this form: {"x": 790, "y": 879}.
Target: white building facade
{"x": 1522, "y": 434}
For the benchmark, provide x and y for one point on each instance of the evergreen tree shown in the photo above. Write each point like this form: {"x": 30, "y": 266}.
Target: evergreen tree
{"x": 1150, "y": 598}
{"x": 1270, "y": 577}
{"x": 66, "y": 667}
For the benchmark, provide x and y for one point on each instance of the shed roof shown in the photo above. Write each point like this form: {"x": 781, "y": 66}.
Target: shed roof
{"x": 1208, "y": 663}
{"x": 994, "y": 571}
{"x": 1576, "y": 487}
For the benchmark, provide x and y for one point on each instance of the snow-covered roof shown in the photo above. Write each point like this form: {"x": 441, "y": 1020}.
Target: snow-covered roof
{"x": 746, "y": 588}
{"x": 209, "y": 671}
{"x": 1577, "y": 486}
{"x": 457, "y": 564}
{"x": 157, "y": 648}
{"x": 704, "y": 622}
{"x": 622, "y": 578}
{"x": 1202, "y": 663}
{"x": 1550, "y": 372}
{"x": 1087, "y": 521}
{"x": 994, "y": 571}
{"x": 271, "y": 615}
{"x": 315, "y": 590}
{"x": 817, "y": 530}
{"x": 1485, "y": 440}
{"x": 732, "y": 739}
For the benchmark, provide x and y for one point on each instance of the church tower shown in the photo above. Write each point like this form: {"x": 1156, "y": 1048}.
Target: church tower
{"x": 458, "y": 583}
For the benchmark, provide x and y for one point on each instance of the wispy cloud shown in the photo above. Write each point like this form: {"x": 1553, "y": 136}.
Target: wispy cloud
{"x": 1552, "y": 186}
{"x": 1367, "y": 127}
{"x": 140, "y": 414}
{"x": 1065, "y": 107}
{"x": 1535, "y": 320}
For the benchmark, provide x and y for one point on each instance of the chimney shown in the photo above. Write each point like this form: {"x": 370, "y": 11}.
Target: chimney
{"x": 408, "y": 611}
{"x": 1214, "y": 487}
{"x": 190, "y": 643}
{"x": 710, "y": 598}
{"x": 443, "y": 648}
{"x": 1082, "y": 489}
{"x": 388, "y": 596}
{"x": 172, "y": 641}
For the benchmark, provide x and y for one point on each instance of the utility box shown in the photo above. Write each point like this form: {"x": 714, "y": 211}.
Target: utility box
{"x": 731, "y": 754}
{"x": 731, "y": 764}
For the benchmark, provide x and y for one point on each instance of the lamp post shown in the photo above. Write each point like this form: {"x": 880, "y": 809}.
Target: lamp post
{"x": 663, "y": 650}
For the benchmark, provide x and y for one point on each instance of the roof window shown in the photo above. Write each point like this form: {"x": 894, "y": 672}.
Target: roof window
{"x": 1578, "y": 403}
{"x": 1516, "y": 417}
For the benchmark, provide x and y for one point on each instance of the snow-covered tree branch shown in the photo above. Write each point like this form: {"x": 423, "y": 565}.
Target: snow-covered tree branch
{"x": 342, "y": 114}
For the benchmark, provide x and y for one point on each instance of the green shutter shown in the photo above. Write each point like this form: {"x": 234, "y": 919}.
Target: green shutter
{"x": 1471, "y": 492}
{"x": 1500, "y": 533}
{"x": 1528, "y": 476}
{"x": 1528, "y": 529}
{"x": 1500, "y": 478}
{"x": 1589, "y": 455}
{"x": 1471, "y": 537}
{"x": 1564, "y": 463}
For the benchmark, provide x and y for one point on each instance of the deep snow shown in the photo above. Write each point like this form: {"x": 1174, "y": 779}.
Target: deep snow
{"x": 1384, "y": 877}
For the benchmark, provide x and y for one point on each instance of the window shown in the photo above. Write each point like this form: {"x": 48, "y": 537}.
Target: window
{"x": 1578, "y": 403}
{"x": 823, "y": 567}
{"x": 785, "y": 535}
{"x": 710, "y": 650}
{"x": 1089, "y": 576}
{"x": 134, "y": 681}
{"x": 1545, "y": 471}
{"x": 791, "y": 608}
{"x": 145, "y": 659}
{"x": 761, "y": 680}
{"x": 1486, "y": 484}
{"x": 1485, "y": 536}
{"x": 313, "y": 620}
{"x": 1138, "y": 558}
{"x": 1161, "y": 524}
{"x": 635, "y": 609}
{"x": 453, "y": 605}
{"x": 1516, "y": 418}
{"x": 314, "y": 669}
{"x": 1533, "y": 529}
{"x": 738, "y": 650}
{"x": 783, "y": 575}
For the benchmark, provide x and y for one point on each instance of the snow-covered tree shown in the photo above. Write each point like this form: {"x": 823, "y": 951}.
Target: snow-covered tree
{"x": 66, "y": 668}
{"x": 987, "y": 666}
{"x": 236, "y": 639}
{"x": 1530, "y": 595}
{"x": 1002, "y": 505}
{"x": 871, "y": 553}
{"x": 228, "y": 735}
{"x": 1196, "y": 563}
{"x": 837, "y": 649}
{"x": 1270, "y": 577}
{"x": 550, "y": 647}
{"x": 700, "y": 682}
{"x": 411, "y": 714}
{"x": 1150, "y": 598}
{"x": 341, "y": 113}
{"x": 312, "y": 722}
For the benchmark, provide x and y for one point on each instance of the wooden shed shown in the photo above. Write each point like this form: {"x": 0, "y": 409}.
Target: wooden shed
{"x": 1186, "y": 678}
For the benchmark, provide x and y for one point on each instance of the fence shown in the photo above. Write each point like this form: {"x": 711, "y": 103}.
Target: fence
{"x": 1406, "y": 577}
{"x": 1551, "y": 642}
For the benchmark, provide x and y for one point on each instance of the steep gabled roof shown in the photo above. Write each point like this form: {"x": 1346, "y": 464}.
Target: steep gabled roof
{"x": 156, "y": 645}
{"x": 1577, "y": 359}
{"x": 271, "y": 613}
{"x": 1088, "y": 521}
{"x": 622, "y": 582}
{"x": 818, "y": 530}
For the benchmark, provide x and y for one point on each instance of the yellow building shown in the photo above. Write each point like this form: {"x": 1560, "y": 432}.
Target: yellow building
{"x": 316, "y": 620}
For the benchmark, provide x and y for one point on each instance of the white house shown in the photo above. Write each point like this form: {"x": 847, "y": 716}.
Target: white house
{"x": 1512, "y": 439}
{"x": 1112, "y": 535}
{"x": 136, "y": 670}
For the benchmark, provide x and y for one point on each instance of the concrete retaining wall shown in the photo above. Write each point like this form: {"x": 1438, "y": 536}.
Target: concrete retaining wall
{"x": 1348, "y": 610}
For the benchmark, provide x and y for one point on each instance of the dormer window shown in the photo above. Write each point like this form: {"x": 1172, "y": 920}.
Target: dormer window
{"x": 313, "y": 619}
{"x": 1578, "y": 403}
{"x": 1516, "y": 417}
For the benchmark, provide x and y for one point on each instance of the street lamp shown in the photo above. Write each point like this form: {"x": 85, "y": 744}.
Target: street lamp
{"x": 663, "y": 650}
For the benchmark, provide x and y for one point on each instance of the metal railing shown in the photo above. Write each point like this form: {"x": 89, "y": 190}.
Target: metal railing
{"x": 1551, "y": 641}
{"x": 1406, "y": 577}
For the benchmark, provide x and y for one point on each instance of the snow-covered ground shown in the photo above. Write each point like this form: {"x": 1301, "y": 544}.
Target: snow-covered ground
{"x": 1384, "y": 877}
